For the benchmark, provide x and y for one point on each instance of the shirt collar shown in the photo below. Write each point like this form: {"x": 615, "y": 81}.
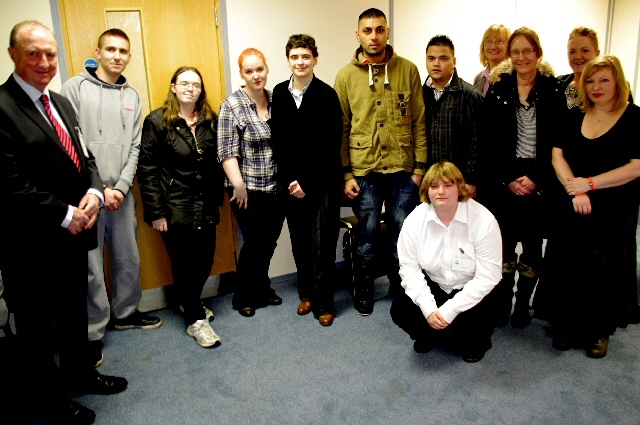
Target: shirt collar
{"x": 33, "y": 93}
{"x": 487, "y": 72}
{"x": 429, "y": 83}
{"x": 304, "y": 89}
{"x": 462, "y": 213}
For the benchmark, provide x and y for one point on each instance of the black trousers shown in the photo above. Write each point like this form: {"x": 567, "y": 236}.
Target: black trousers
{"x": 260, "y": 224}
{"x": 46, "y": 289}
{"x": 191, "y": 252}
{"x": 314, "y": 228}
{"x": 472, "y": 328}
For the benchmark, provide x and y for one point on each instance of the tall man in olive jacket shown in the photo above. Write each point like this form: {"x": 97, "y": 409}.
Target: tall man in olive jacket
{"x": 384, "y": 147}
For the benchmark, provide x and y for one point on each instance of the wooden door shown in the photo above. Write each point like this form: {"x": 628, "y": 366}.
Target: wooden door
{"x": 164, "y": 35}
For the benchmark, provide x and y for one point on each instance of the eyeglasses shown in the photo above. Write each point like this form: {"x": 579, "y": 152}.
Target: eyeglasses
{"x": 526, "y": 53}
{"x": 496, "y": 42}
{"x": 185, "y": 85}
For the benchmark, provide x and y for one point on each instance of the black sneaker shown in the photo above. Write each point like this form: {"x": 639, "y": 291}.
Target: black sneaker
{"x": 138, "y": 320}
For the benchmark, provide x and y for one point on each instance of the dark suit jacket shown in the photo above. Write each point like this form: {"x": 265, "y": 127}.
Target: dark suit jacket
{"x": 38, "y": 180}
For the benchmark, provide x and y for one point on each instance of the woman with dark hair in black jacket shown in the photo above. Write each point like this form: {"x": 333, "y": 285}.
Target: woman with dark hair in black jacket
{"x": 181, "y": 184}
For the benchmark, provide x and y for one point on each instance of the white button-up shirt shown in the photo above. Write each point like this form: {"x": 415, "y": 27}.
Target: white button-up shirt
{"x": 467, "y": 255}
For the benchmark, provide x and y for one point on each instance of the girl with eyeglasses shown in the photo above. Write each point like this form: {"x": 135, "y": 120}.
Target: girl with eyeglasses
{"x": 182, "y": 190}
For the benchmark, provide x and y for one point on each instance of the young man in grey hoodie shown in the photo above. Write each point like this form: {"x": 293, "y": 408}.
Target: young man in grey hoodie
{"x": 110, "y": 115}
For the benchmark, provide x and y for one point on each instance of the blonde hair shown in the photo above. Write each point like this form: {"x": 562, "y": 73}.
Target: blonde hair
{"x": 443, "y": 170}
{"x": 493, "y": 30}
{"x": 622, "y": 86}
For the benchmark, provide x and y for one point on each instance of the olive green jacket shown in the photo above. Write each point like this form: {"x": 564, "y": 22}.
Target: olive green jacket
{"x": 383, "y": 116}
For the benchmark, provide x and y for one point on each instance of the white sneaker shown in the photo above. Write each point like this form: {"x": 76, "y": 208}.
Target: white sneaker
{"x": 203, "y": 333}
{"x": 208, "y": 314}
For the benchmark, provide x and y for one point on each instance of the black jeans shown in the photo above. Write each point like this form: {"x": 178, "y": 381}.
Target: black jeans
{"x": 191, "y": 252}
{"x": 260, "y": 224}
{"x": 314, "y": 228}
{"x": 473, "y": 328}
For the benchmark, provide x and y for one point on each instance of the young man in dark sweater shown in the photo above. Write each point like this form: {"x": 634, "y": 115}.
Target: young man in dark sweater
{"x": 306, "y": 132}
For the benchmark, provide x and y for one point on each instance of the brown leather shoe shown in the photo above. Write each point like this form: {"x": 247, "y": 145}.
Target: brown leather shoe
{"x": 326, "y": 319}
{"x": 304, "y": 308}
{"x": 598, "y": 349}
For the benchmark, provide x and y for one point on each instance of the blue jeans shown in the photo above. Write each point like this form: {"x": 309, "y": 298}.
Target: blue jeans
{"x": 400, "y": 196}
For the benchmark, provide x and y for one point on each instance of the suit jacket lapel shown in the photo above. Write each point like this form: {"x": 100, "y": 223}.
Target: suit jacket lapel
{"x": 31, "y": 110}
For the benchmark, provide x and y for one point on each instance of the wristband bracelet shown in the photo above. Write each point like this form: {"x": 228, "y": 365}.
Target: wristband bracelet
{"x": 592, "y": 185}
{"x": 579, "y": 194}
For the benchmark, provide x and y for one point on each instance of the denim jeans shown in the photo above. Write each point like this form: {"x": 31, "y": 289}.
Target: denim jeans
{"x": 400, "y": 196}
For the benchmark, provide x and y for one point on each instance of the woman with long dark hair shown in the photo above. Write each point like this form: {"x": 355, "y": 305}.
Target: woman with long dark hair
{"x": 181, "y": 186}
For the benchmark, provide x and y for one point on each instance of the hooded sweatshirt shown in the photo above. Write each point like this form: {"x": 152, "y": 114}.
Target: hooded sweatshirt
{"x": 110, "y": 117}
{"x": 383, "y": 116}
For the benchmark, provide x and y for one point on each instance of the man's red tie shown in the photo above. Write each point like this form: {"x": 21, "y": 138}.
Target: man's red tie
{"x": 62, "y": 134}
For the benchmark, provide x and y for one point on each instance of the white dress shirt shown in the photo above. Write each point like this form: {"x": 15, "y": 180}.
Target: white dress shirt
{"x": 467, "y": 255}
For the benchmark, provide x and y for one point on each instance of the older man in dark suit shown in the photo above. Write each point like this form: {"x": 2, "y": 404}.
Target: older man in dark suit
{"x": 51, "y": 193}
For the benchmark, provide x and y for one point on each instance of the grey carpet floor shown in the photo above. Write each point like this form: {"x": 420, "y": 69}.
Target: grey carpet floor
{"x": 281, "y": 368}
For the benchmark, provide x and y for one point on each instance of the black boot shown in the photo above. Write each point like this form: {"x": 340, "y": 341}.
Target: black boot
{"x": 503, "y": 295}
{"x": 527, "y": 280}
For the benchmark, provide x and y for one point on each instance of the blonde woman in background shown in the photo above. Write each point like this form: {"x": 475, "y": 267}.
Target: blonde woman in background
{"x": 493, "y": 50}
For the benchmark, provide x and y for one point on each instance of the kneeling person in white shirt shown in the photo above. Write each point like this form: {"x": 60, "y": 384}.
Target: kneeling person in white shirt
{"x": 450, "y": 253}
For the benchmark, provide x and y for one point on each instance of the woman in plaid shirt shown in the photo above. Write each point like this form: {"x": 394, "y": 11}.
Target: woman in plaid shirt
{"x": 244, "y": 149}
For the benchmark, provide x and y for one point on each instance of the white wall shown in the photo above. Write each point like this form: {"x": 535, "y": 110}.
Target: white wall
{"x": 464, "y": 21}
{"x": 14, "y": 11}
{"x": 625, "y": 40}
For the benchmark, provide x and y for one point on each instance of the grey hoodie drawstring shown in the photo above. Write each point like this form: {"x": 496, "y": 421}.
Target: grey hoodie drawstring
{"x": 100, "y": 111}
{"x": 122, "y": 106}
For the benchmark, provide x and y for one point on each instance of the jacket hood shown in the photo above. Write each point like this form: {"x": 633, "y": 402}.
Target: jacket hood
{"x": 89, "y": 74}
{"x": 358, "y": 60}
{"x": 506, "y": 67}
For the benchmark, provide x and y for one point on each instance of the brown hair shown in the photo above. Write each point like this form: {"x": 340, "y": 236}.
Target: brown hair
{"x": 171, "y": 106}
{"x": 622, "y": 86}
{"x": 585, "y": 32}
{"x": 113, "y": 32}
{"x": 530, "y": 35}
{"x": 493, "y": 30}
{"x": 304, "y": 41}
{"x": 443, "y": 170}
